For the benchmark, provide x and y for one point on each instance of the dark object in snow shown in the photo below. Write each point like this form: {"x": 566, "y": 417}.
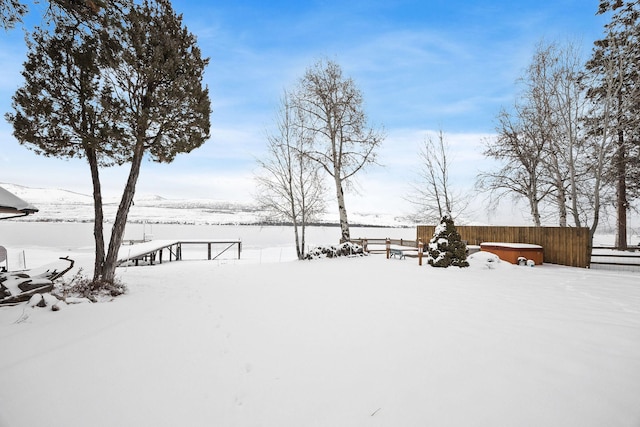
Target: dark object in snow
{"x": 42, "y": 303}
{"x": 345, "y": 249}
{"x": 397, "y": 253}
{"x": 446, "y": 248}
{"x": 20, "y": 286}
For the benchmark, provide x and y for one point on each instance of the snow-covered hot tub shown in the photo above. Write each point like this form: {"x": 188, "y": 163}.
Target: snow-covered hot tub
{"x": 510, "y": 252}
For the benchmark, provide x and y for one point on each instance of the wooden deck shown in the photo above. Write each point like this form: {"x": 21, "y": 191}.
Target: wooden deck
{"x": 154, "y": 251}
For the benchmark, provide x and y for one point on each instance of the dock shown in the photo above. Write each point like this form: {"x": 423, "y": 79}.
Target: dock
{"x": 153, "y": 251}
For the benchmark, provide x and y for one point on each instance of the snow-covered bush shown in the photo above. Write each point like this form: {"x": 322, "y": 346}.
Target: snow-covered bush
{"x": 446, "y": 248}
{"x": 344, "y": 249}
{"x": 486, "y": 260}
{"x": 80, "y": 286}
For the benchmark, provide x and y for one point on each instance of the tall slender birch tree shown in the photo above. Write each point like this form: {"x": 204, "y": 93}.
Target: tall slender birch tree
{"x": 343, "y": 141}
{"x": 289, "y": 185}
{"x": 433, "y": 194}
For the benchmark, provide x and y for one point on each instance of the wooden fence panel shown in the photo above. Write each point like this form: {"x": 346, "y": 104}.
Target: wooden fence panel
{"x": 561, "y": 245}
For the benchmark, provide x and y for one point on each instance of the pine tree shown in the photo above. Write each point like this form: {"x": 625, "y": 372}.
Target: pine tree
{"x": 615, "y": 92}
{"x": 126, "y": 88}
{"x": 446, "y": 248}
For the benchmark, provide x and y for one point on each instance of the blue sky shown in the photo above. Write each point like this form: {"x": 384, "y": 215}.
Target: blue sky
{"x": 422, "y": 66}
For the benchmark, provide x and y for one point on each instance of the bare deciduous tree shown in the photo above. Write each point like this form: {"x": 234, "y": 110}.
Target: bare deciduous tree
{"x": 519, "y": 145}
{"x": 343, "y": 142}
{"x": 567, "y": 154}
{"x": 549, "y": 161}
{"x": 289, "y": 186}
{"x": 433, "y": 194}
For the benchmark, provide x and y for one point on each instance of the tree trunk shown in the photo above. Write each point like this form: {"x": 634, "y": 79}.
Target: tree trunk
{"x": 300, "y": 238}
{"x": 562, "y": 206}
{"x": 574, "y": 193}
{"x": 342, "y": 210}
{"x": 109, "y": 268}
{"x": 98, "y": 230}
{"x": 621, "y": 189}
{"x": 303, "y": 232}
{"x": 292, "y": 201}
{"x": 535, "y": 211}
{"x": 297, "y": 237}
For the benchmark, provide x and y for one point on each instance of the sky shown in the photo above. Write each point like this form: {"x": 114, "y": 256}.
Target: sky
{"x": 422, "y": 67}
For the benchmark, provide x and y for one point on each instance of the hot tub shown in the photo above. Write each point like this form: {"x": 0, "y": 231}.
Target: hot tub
{"x": 510, "y": 252}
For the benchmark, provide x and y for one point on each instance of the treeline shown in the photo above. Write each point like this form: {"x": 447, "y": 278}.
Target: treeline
{"x": 570, "y": 144}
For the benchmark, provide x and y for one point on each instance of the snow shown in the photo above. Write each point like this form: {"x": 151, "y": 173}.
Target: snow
{"x": 12, "y": 202}
{"x": 511, "y": 245}
{"x": 62, "y": 205}
{"x": 270, "y": 341}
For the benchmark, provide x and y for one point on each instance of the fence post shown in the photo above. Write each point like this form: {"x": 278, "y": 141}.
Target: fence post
{"x": 388, "y": 243}
{"x": 420, "y": 252}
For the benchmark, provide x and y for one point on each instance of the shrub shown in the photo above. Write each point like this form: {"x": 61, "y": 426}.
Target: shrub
{"x": 80, "y": 286}
{"x": 344, "y": 249}
{"x": 446, "y": 248}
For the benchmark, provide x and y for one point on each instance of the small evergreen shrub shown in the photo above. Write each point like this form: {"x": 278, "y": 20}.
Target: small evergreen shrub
{"x": 446, "y": 248}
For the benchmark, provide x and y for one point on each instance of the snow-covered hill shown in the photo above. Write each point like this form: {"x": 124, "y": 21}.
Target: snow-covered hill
{"x": 56, "y": 204}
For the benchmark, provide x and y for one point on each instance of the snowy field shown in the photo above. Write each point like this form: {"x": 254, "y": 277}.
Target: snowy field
{"x": 270, "y": 341}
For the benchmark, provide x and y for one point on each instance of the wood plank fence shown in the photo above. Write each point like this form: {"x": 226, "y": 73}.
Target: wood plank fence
{"x": 561, "y": 245}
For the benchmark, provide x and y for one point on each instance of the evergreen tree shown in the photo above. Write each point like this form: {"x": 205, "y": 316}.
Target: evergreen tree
{"x": 11, "y": 12}
{"x": 615, "y": 92}
{"x": 446, "y": 248}
{"x": 64, "y": 108}
{"x": 132, "y": 88}
{"x": 84, "y": 11}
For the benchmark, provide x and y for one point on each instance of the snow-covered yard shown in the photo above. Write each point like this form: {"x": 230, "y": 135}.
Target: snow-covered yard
{"x": 333, "y": 342}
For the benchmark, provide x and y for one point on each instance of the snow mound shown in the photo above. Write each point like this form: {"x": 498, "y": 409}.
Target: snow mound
{"x": 487, "y": 261}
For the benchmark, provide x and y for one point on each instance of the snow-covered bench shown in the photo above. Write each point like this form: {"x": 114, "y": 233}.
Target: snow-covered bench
{"x": 397, "y": 253}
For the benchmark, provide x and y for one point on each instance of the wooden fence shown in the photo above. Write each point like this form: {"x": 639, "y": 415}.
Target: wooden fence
{"x": 613, "y": 258}
{"x": 561, "y": 245}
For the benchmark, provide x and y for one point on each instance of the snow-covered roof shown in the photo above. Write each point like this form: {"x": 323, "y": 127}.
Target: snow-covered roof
{"x": 14, "y": 205}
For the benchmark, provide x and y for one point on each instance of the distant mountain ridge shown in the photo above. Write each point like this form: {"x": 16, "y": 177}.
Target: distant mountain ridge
{"x": 61, "y": 205}
{"x": 46, "y": 195}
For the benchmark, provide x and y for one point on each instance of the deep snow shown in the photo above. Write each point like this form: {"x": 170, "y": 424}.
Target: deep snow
{"x": 342, "y": 342}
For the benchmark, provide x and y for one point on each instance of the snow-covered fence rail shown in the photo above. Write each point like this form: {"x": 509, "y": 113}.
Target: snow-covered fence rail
{"x": 561, "y": 245}
{"x": 610, "y": 258}
{"x": 400, "y": 247}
